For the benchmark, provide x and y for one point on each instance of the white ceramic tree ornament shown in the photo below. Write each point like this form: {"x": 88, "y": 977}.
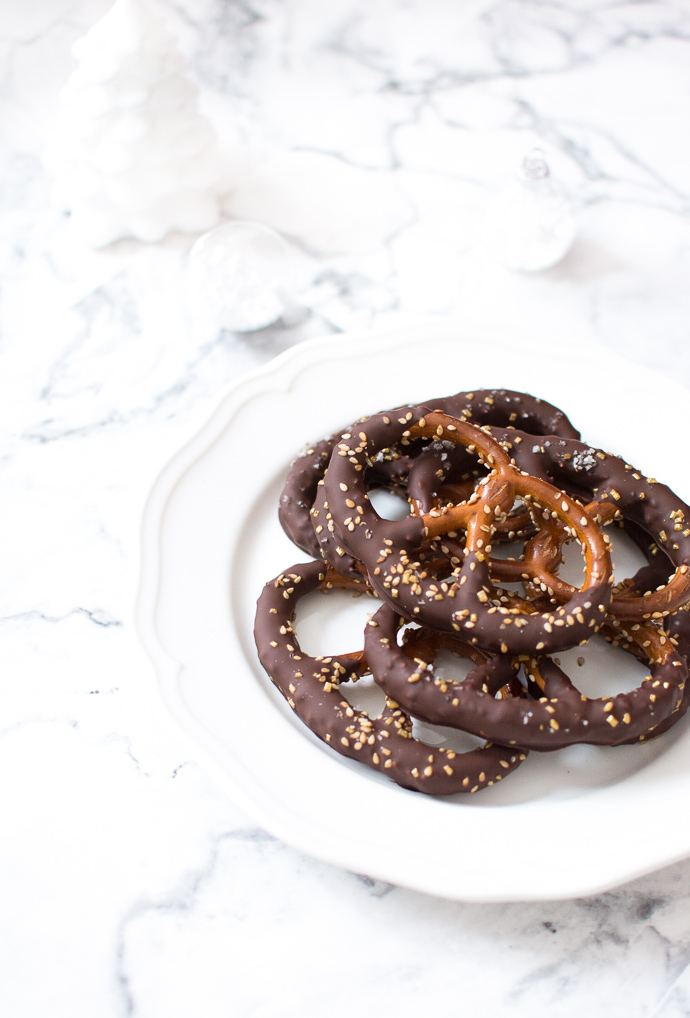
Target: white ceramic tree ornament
{"x": 531, "y": 224}
{"x": 132, "y": 155}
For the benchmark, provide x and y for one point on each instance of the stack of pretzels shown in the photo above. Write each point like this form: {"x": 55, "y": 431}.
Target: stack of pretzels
{"x": 478, "y": 469}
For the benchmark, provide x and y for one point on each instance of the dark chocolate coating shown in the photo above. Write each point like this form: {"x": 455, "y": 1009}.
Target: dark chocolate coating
{"x": 434, "y": 466}
{"x": 592, "y": 474}
{"x": 561, "y": 717}
{"x": 676, "y": 625}
{"x": 299, "y": 492}
{"x": 388, "y": 473}
{"x": 310, "y": 686}
{"x": 678, "y": 628}
{"x": 659, "y": 566}
{"x": 507, "y": 408}
{"x": 388, "y": 549}
{"x": 501, "y": 407}
{"x": 649, "y": 512}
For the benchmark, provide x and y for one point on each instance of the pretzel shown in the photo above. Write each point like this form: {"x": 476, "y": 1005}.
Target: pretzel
{"x": 561, "y": 716}
{"x": 677, "y": 623}
{"x": 646, "y": 641}
{"x": 300, "y": 491}
{"x": 489, "y": 406}
{"x": 622, "y": 493}
{"x": 442, "y": 473}
{"x": 509, "y": 409}
{"x": 463, "y": 602}
{"x": 452, "y": 459}
{"x": 495, "y": 407}
{"x": 613, "y": 490}
{"x": 310, "y": 686}
{"x": 655, "y": 573}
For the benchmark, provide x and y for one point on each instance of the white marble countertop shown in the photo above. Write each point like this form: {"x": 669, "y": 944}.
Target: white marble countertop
{"x": 373, "y": 136}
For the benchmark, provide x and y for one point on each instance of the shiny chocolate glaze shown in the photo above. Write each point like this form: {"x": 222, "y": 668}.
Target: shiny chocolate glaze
{"x": 388, "y": 550}
{"x": 561, "y": 716}
{"x": 617, "y": 490}
{"x": 338, "y": 524}
{"x": 501, "y": 407}
{"x": 385, "y": 743}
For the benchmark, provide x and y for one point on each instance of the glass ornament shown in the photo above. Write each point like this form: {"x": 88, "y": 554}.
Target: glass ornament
{"x": 239, "y": 277}
{"x": 531, "y": 224}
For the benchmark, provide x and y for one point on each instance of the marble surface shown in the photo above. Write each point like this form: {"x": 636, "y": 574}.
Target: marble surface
{"x": 374, "y": 137}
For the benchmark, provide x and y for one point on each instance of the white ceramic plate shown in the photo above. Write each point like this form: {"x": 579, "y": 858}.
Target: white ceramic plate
{"x": 565, "y": 824}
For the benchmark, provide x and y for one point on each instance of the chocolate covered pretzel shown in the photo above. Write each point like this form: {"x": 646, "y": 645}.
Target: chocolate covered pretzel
{"x": 501, "y": 407}
{"x": 387, "y": 549}
{"x": 560, "y": 716}
{"x": 609, "y": 487}
{"x": 311, "y": 688}
{"x": 478, "y": 468}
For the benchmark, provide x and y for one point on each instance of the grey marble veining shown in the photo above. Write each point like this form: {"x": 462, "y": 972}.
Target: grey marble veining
{"x": 373, "y": 136}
